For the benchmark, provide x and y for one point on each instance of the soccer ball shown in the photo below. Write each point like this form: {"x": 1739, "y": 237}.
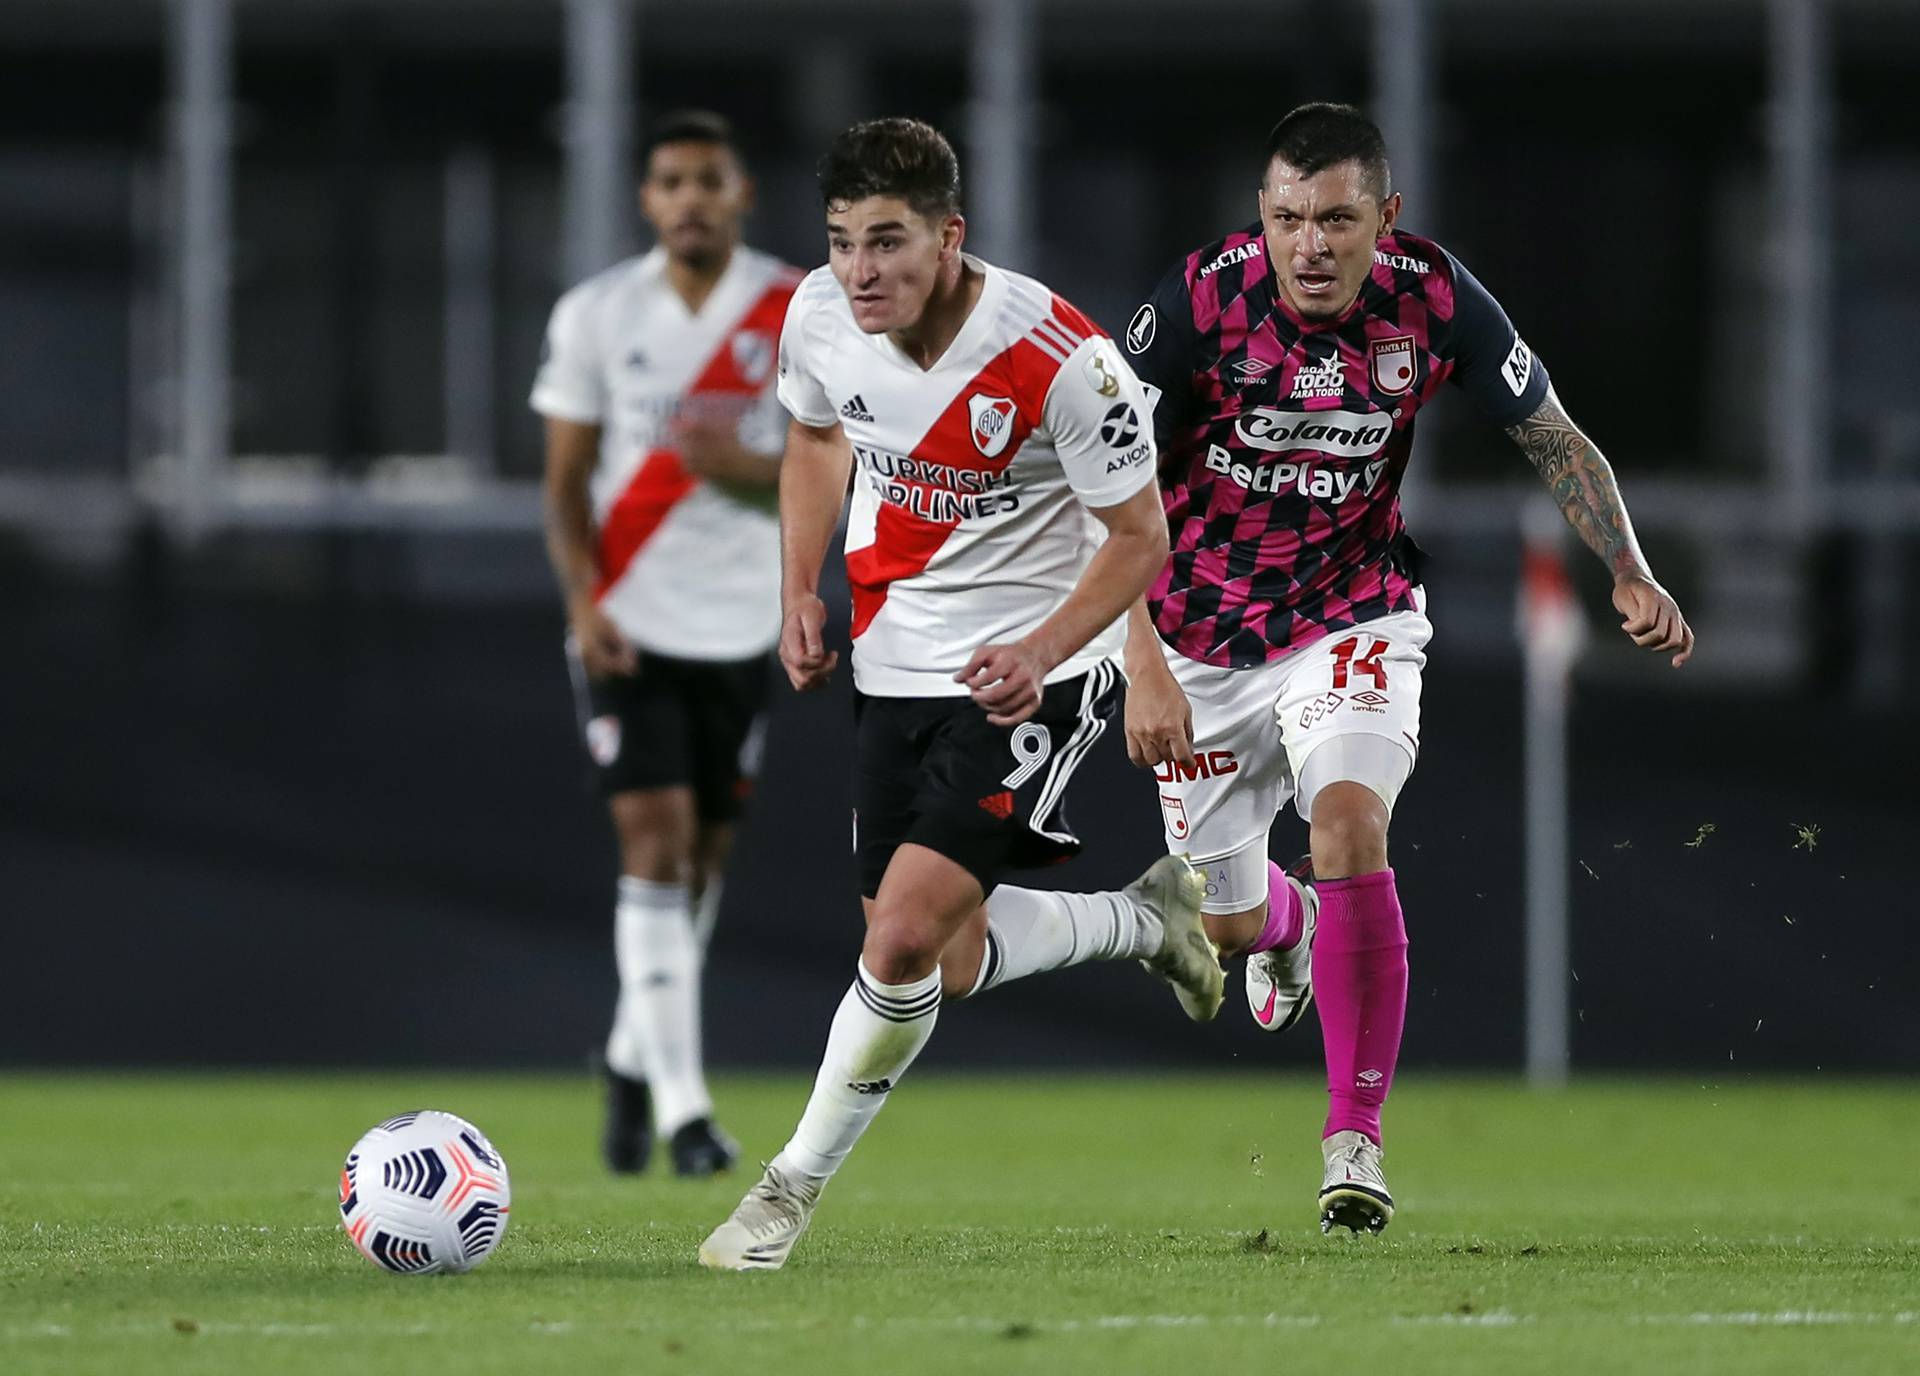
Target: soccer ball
{"x": 424, "y": 1192}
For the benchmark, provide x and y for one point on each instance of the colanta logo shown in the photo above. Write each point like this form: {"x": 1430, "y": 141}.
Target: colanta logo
{"x": 1347, "y": 434}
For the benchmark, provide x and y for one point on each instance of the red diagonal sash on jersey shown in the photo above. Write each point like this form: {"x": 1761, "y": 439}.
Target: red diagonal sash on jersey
{"x": 903, "y": 543}
{"x": 661, "y": 481}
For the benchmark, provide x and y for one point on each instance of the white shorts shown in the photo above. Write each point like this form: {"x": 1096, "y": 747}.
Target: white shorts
{"x": 1345, "y": 708}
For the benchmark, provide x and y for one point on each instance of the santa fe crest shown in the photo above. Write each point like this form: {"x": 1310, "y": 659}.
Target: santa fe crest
{"x": 992, "y": 422}
{"x": 1391, "y": 362}
{"x": 753, "y": 356}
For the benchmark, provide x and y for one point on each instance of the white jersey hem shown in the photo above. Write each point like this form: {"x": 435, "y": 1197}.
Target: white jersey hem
{"x": 906, "y": 683}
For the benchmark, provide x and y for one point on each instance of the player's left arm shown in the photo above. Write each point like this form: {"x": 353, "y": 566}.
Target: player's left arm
{"x": 1007, "y": 679}
{"x": 1510, "y": 385}
{"x": 1582, "y": 482}
{"x": 1097, "y": 416}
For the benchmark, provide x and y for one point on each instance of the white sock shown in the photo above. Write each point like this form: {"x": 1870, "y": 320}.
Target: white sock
{"x": 1030, "y": 930}
{"x": 656, "y": 1033}
{"x": 876, "y": 1033}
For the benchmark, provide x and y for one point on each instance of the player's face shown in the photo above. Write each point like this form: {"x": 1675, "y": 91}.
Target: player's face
{"x": 1320, "y": 232}
{"x": 695, "y": 195}
{"x": 889, "y": 258}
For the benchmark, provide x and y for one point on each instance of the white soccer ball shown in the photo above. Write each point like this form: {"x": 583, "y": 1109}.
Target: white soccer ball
{"x": 424, "y": 1192}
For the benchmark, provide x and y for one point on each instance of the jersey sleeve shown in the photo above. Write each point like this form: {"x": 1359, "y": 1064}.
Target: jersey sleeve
{"x": 1096, "y": 415}
{"x": 570, "y": 384}
{"x": 1492, "y": 363}
{"x": 1159, "y": 344}
{"x": 800, "y": 389}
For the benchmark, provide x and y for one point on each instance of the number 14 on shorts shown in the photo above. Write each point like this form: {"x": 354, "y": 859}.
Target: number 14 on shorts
{"x": 1349, "y": 663}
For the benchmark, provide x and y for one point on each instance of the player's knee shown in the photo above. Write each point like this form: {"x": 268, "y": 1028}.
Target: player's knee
{"x": 901, "y": 946}
{"x": 657, "y": 837}
{"x": 1349, "y": 831}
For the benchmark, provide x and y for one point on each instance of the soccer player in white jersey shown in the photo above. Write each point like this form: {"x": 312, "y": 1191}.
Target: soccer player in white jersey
{"x": 993, "y": 432}
{"x": 663, "y": 436}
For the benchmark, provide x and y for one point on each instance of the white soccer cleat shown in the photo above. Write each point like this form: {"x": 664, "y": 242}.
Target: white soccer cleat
{"x": 1280, "y": 983}
{"x": 1172, "y": 889}
{"x": 1353, "y": 1192}
{"x": 760, "y": 1232}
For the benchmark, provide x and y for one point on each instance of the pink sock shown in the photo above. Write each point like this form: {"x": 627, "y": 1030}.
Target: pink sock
{"x": 1360, "y": 983}
{"x": 1284, "y": 917}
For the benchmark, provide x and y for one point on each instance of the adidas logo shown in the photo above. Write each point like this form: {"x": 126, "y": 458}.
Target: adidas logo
{"x": 856, "y": 409}
{"x": 998, "y": 805}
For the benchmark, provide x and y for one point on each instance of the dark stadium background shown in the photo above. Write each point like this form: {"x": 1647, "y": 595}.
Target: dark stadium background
{"x": 301, "y": 791}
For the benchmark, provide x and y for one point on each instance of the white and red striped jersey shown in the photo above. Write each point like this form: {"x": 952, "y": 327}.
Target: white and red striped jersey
{"x": 969, "y": 523}
{"x": 685, "y": 569}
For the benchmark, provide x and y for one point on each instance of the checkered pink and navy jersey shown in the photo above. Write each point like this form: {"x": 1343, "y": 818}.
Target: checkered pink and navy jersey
{"x": 1283, "y": 441}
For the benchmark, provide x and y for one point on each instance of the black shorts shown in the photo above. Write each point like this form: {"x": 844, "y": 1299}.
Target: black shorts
{"x": 676, "y": 721}
{"x": 934, "y": 772}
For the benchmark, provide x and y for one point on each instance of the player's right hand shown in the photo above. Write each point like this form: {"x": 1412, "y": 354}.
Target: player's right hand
{"x": 1159, "y": 719}
{"x": 604, "y": 652}
{"x": 803, "y": 647}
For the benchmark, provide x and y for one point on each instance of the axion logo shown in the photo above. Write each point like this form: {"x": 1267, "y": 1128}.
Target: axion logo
{"x": 1348, "y": 434}
{"x": 1120, "y": 426}
{"x": 1207, "y": 764}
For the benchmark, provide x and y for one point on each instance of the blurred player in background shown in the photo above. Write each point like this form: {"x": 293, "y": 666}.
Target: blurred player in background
{"x": 994, "y": 432}
{"x": 663, "y": 437}
{"x": 1278, "y": 656}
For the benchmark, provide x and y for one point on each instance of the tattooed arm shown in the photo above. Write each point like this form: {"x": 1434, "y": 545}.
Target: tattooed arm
{"x": 1581, "y": 481}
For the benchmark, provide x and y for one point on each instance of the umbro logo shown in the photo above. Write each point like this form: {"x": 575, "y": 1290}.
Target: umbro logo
{"x": 1369, "y": 1078}
{"x": 1247, "y": 369}
{"x": 636, "y": 359}
{"x": 870, "y": 1086}
{"x": 856, "y": 409}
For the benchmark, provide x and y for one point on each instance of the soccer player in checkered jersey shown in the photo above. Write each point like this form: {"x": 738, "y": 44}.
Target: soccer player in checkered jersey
{"x": 1004, "y": 518}
{"x": 1278, "y": 655}
{"x": 663, "y": 437}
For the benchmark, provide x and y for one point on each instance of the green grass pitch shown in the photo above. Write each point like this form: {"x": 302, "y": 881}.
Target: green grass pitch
{"x": 1056, "y": 1224}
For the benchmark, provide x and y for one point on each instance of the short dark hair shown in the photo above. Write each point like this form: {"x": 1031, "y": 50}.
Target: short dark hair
{"x": 688, "y": 126}
{"x": 1315, "y": 137}
{"x": 893, "y": 157}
